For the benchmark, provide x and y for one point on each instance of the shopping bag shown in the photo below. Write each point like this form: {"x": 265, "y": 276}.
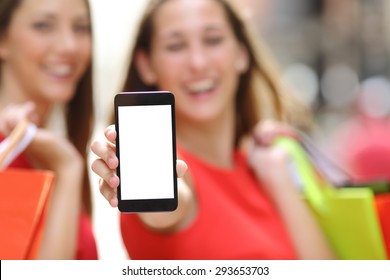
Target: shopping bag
{"x": 340, "y": 178}
{"x": 382, "y": 203}
{"x": 24, "y": 198}
{"x": 23, "y": 202}
{"x": 347, "y": 216}
{"x": 381, "y": 190}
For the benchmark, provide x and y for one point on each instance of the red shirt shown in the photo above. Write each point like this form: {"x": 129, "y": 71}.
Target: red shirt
{"x": 86, "y": 245}
{"x": 235, "y": 220}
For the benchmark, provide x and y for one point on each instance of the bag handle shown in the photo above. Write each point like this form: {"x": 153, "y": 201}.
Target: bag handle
{"x": 337, "y": 175}
{"x": 20, "y": 137}
{"x": 314, "y": 183}
{"x": 334, "y": 173}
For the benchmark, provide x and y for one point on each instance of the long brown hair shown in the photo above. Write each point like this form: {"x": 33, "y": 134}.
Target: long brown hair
{"x": 260, "y": 93}
{"x": 79, "y": 111}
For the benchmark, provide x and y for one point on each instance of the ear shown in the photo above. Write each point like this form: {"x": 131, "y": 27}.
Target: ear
{"x": 242, "y": 61}
{"x": 144, "y": 67}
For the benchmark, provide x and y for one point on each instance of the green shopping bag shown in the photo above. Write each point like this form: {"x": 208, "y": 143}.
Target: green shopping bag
{"x": 347, "y": 216}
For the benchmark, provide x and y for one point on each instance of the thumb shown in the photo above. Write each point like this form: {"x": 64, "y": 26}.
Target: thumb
{"x": 181, "y": 168}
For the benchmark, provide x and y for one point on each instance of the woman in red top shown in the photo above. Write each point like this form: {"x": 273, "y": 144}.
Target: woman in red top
{"x": 237, "y": 200}
{"x": 45, "y": 60}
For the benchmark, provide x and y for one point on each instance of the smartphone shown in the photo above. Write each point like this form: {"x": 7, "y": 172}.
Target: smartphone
{"x": 146, "y": 149}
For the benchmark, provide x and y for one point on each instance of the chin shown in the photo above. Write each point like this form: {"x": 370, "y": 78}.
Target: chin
{"x": 61, "y": 96}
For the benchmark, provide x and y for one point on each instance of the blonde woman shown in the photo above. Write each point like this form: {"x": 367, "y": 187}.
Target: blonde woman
{"x": 237, "y": 200}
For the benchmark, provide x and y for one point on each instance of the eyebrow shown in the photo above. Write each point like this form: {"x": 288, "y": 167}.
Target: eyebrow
{"x": 51, "y": 15}
{"x": 175, "y": 33}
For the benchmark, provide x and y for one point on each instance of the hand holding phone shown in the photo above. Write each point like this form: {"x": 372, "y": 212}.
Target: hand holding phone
{"x": 146, "y": 150}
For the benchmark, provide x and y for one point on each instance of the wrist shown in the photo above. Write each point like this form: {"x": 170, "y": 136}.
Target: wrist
{"x": 72, "y": 174}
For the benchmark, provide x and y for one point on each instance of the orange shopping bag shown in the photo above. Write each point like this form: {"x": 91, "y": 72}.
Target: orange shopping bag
{"x": 23, "y": 202}
{"x": 24, "y": 198}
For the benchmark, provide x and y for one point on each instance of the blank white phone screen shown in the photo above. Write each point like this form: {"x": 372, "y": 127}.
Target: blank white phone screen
{"x": 146, "y": 155}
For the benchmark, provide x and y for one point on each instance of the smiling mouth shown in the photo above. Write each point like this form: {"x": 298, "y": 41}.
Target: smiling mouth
{"x": 201, "y": 87}
{"x": 62, "y": 71}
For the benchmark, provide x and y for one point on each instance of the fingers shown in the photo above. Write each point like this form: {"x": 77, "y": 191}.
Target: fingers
{"x": 103, "y": 171}
{"x": 110, "y": 133}
{"x": 105, "y": 151}
{"x": 265, "y": 132}
{"x": 108, "y": 183}
{"x": 108, "y": 193}
{"x": 27, "y": 110}
{"x": 181, "y": 168}
{"x": 105, "y": 166}
{"x": 31, "y": 114}
{"x": 13, "y": 114}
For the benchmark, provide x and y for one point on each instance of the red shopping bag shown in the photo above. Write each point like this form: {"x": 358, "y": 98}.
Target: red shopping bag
{"x": 382, "y": 203}
{"x": 23, "y": 202}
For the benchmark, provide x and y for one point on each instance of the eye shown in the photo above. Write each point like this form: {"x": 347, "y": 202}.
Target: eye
{"x": 174, "y": 47}
{"x": 43, "y": 26}
{"x": 214, "y": 40}
{"x": 82, "y": 28}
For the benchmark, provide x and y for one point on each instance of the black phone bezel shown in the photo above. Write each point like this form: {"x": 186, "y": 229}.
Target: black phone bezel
{"x": 142, "y": 99}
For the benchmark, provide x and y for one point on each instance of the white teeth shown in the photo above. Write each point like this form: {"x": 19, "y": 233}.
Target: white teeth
{"x": 201, "y": 86}
{"x": 60, "y": 70}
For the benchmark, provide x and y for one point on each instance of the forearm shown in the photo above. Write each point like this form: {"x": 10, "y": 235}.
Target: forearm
{"x": 304, "y": 231}
{"x": 49, "y": 152}
{"x": 61, "y": 229}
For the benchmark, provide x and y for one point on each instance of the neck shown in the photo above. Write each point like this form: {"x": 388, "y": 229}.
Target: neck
{"x": 211, "y": 141}
{"x": 12, "y": 93}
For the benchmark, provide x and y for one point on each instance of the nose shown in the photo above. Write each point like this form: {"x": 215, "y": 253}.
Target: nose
{"x": 198, "y": 58}
{"x": 66, "y": 41}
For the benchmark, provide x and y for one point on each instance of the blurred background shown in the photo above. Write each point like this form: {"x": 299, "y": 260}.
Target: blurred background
{"x": 334, "y": 54}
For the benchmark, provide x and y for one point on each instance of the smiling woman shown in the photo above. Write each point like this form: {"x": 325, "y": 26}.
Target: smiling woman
{"x": 47, "y": 51}
{"x": 45, "y": 60}
{"x": 237, "y": 201}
